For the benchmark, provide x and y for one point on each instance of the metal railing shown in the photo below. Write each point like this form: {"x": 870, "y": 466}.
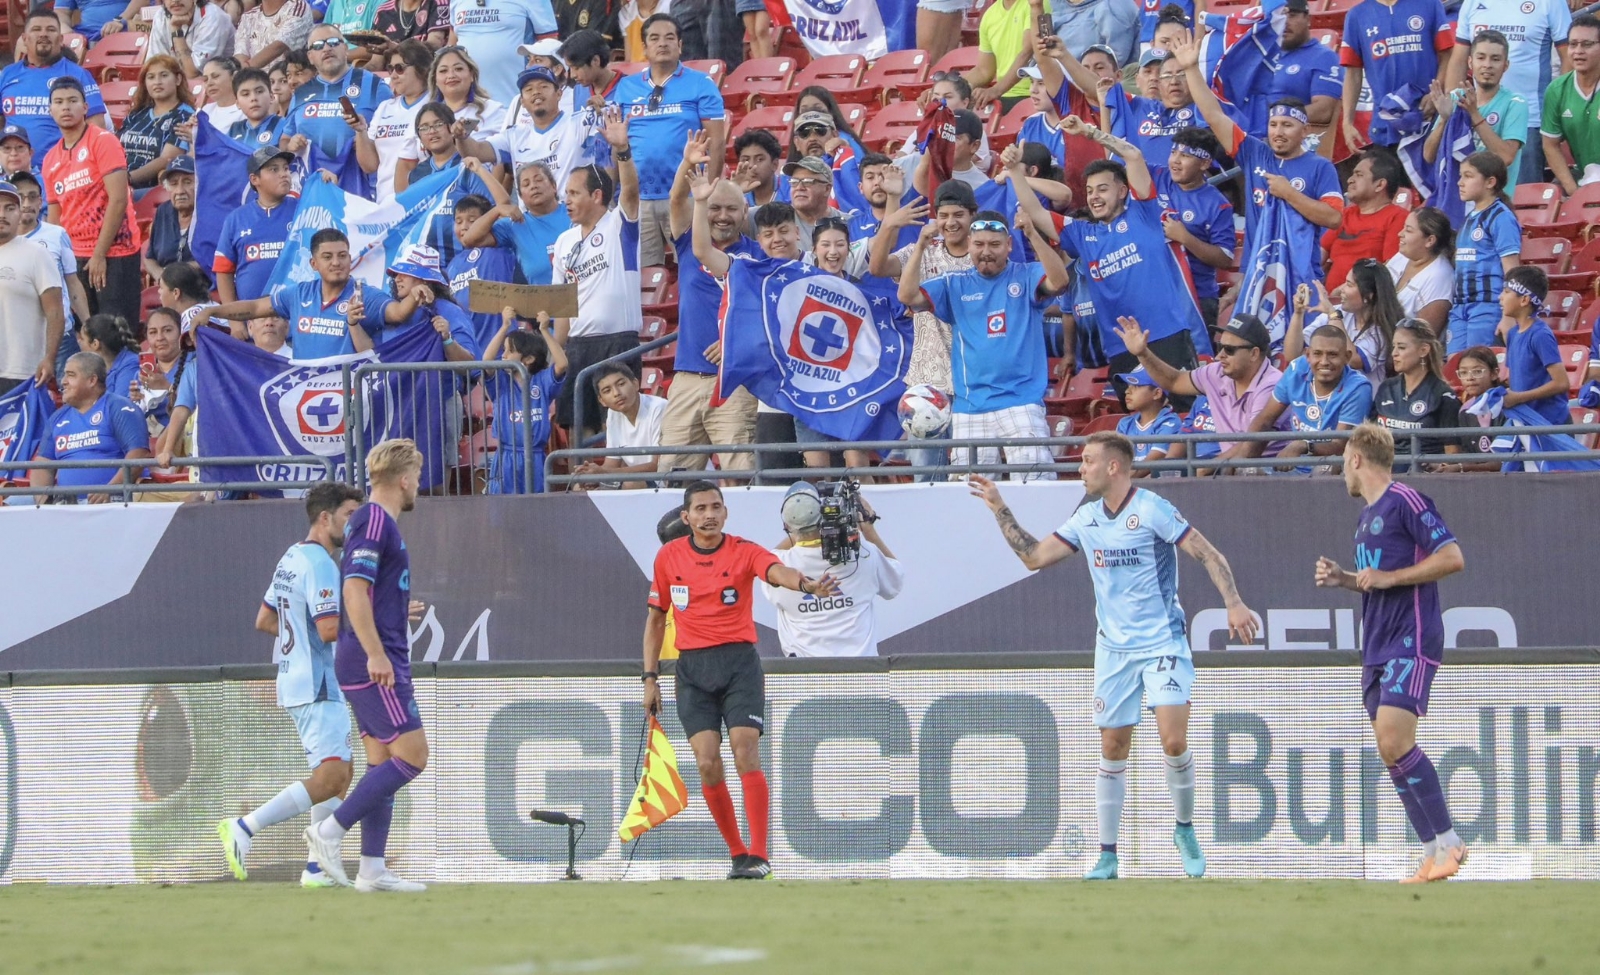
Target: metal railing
{"x": 583, "y": 379}
{"x": 1415, "y": 458}
{"x": 131, "y": 470}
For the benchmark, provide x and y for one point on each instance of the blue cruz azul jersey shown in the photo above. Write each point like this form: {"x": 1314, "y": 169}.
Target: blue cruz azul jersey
{"x": 482, "y": 264}
{"x": 1399, "y": 530}
{"x": 1133, "y": 562}
{"x": 374, "y": 551}
{"x": 108, "y": 430}
{"x": 251, "y": 241}
{"x": 1207, "y": 214}
{"x": 304, "y": 591}
{"x": 253, "y": 137}
{"x": 319, "y": 329}
{"x": 25, "y": 100}
{"x": 997, "y": 353}
{"x": 317, "y": 114}
{"x": 1308, "y": 172}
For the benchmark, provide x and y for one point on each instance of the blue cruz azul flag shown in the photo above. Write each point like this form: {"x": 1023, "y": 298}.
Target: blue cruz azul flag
{"x": 221, "y": 182}
{"x": 1274, "y": 272}
{"x": 257, "y": 404}
{"x": 23, "y": 414}
{"x": 822, "y": 348}
{"x": 1239, "y": 54}
{"x": 346, "y": 170}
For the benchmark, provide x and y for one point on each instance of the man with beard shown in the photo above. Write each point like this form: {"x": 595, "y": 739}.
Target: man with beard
{"x": 25, "y": 84}
{"x": 879, "y": 177}
{"x": 560, "y": 140}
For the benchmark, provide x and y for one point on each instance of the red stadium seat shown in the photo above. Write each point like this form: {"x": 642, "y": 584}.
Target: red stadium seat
{"x": 960, "y": 61}
{"x": 1553, "y": 254}
{"x": 856, "y": 115}
{"x": 786, "y": 43}
{"x": 628, "y": 67}
{"x": 900, "y": 74}
{"x": 654, "y": 381}
{"x": 1586, "y": 415}
{"x": 1576, "y": 359}
{"x": 1538, "y": 207}
{"x": 715, "y": 67}
{"x": 197, "y": 92}
{"x": 1564, "y": 308}
{"x": 1577, "y": 336}
{"x": 1328, "y": 37}
{"x": 77, "y": 44}
{"x": 1590, "y": 316}
{"x": 1061, "y": 427}
{"x": 1581, "y": 272}
{"x": 1579, "y": 213}
{"x": 654, "y": 327}
{"x": 658, "y": 292}
{"x": 118, "y": 97}
{"x": 1407, "y": 197}
{"x": 1005, "y": 130}
{"x": 756, "y": 77}
{"x": 119, "y": 56}
{"x": 149, "y": 300}
{"x": 1075, "y": 395}
{"x": 776, "y": 119}
{"x": 839, "y": 73}
{"x": 1330, "y": 14}
{"x": 894, "y": 123}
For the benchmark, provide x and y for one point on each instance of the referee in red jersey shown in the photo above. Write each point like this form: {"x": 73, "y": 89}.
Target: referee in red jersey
{"x": 706, "y": 579}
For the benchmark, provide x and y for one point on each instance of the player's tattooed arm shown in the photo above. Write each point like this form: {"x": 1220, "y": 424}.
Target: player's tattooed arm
{"x": 1241, "y": 621}
{"x": 1021, "y": 542}
{"x": 1035, "y": 554}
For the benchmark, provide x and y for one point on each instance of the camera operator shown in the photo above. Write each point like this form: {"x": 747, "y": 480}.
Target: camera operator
{"x": 841, "y": 625}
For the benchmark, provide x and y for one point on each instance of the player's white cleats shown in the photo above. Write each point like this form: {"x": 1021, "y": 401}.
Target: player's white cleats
{"x": 235, "y": 846}
{"x": 327, "y": 855}
{"x": 388, "y": 882}
{"x": 315, "y": 880}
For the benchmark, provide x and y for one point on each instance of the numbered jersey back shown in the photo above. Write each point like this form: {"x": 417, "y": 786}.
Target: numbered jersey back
{"x": 305, "y": 589}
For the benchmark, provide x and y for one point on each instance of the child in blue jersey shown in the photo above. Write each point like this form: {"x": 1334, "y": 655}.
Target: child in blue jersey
{"x": 1149, "y": 416}
{"x": 1533, "y": 357}
{"x": 1199, "y": 218}
{"x": 474, "y": 263}
{"x": 1488, "y": 245}
{"x": 543, "y": 355}
{"x": 1142, "y": 655}
{"x": 261, "y": 125}
{"x": 301, "y": 610}
{"x": 1403, "y": 549}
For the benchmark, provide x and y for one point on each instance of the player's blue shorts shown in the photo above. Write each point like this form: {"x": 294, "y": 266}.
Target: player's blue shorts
{"x": 1123, "y": 680}
{"x": 324, "y": 728}
{"x": 383, "y": 713}
{"x": 1404, "y": 682}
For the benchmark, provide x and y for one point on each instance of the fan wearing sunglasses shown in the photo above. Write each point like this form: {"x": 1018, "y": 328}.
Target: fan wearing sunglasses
{"x": 317, "y": 116}
{"x": 997, "y": 352}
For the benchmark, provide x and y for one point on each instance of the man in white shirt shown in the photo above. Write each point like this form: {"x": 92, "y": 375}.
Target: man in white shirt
{"x": 55, "y": 240}
{"x": 32, "y": 316}
{"x": 831, "y": 626}
{"x": 632, "y": 420}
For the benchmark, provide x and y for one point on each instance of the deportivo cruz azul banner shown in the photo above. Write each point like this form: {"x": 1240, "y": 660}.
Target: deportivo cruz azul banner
{"x": 564, "y": 577}
{"x": 904, "y": 774}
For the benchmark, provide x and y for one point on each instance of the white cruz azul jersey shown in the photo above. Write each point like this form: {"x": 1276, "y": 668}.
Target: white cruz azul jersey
{"x": 835, "y": 626}
{"x": 305, "y": 589}
{"x": 1133, "y": 560}
{"x": 605, "y": 264}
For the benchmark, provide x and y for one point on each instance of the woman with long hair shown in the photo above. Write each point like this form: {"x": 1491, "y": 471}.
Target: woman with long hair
{"x": 438, "y": 152}
{"x": 830, "y": 251}
{"x": 453, "y": 80}
{"x": 173, "y": 349}
{"x": 1368, "y": 311}
{"x": 1488, "y": 244}
{"x": 1417, "y": 397}
{"x": 393, "y": 127}
{"x": 1424, "y": 278}
{"x": 222, "y": 107}
{"x": 149, "y": 134}
{"x": 111, "y": 338}
{"x": 819, "y": 99}
{"x": 186, "y": 290}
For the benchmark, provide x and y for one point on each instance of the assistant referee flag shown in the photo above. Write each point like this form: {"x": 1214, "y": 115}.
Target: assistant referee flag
{"x": 661, "y": 793}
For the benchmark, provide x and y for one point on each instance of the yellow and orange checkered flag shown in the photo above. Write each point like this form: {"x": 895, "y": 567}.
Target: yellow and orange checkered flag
{"x": 661, "y": 793}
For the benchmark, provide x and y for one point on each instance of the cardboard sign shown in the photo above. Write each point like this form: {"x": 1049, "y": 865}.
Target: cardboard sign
{"x": 556, "y": 300}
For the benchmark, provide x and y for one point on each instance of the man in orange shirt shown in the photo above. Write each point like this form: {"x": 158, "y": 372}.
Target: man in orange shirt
{"x": 705, "y": 579}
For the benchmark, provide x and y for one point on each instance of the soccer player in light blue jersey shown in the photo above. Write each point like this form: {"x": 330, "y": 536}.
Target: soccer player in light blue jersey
{"x": 1131, "y": 537}
{"x": 301, "y": 609}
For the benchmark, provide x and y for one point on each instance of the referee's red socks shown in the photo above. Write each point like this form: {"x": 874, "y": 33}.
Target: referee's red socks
{"x": 756, "y": 801}
{"x": 721, "y": 805}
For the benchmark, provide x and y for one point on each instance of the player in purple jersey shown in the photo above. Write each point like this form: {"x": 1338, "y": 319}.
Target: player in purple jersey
{"x": 1403, "y": 549}
{"x": 373, "y": 666}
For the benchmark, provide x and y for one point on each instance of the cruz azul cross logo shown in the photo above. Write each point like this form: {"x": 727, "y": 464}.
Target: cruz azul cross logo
{"x": 824, "y": 334}
{"x": 321, "y": 413}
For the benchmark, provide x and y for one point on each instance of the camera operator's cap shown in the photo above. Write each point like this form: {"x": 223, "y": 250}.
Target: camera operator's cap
{"x": 1250, "y": 329}
{"x": 180, "y": 164}
{"x": 6, "y": 189}
{"x": 16, "y": 132}
{"x": 265, "y": 155}
{"x": 547, "y": 48}
{"x": 815, "y": 165}
{"x": 815, "y": 118}
{"x": 801, "y": 508}
{"x": 419, "y": 261}
{"x": 1138, "y": 377}
{"x": 536, "y": 73}
{"x": 1153, "y": 56}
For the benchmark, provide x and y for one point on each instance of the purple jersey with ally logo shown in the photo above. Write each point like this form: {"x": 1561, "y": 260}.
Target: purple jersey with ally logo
{"x": 374, "y": 551}
{"x": 1399, "y": 530}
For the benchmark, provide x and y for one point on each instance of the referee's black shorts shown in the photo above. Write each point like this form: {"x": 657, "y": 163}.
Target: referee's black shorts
{"x": 722, "y": 685}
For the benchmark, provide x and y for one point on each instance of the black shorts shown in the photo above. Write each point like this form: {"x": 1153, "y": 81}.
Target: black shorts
{"x": 583, "y": 352}
{"x": 720, "y": 686}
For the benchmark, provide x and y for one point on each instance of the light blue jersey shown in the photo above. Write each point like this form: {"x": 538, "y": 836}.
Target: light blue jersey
{"x": 305, "y": 589}
{"x": 1133, "y": 560}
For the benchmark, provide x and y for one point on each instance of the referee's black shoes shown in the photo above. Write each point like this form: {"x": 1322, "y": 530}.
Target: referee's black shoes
{"x": 736, "y": 871}
{"x": 751, "y": 868}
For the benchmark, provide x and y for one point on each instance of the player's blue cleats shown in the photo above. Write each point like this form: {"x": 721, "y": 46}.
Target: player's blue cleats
{"x": 1194, "y": 861}
{"x": 1105, "y": 869}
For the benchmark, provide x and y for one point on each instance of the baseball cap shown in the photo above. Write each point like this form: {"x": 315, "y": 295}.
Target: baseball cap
{"x": 811, "y": 164}
{"x": 1031, "y": 71}
{"x": 1103, "y": 49}
{"x": 15, "y": 132}
{"x": 969, "y": 125}
{"x": 954, "y": 193}
{"x": 815, "y": 118}
{"x": 1155, "y": 55}
{"x": 266, "y": 154}
{"x": 180, "y": 164}
{"x": 1297, "y": 7}
{"x": 419, "y": 261}
{"x": 1250, "y": 329}
{"x": 1138, "y": 377}
{"x": 536, "y": 73}
{"x": 801, "y": 507}
{"x": 547, "y": 48}
{"x": 6, "y": 189}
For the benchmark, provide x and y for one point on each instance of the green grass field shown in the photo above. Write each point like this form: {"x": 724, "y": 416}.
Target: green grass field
{"x": 839, "y": 927}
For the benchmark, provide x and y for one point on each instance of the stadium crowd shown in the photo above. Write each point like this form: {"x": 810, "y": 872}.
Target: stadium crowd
{"x": 1156, "y": 219}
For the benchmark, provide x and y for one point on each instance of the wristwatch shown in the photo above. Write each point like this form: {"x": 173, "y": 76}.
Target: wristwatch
{"x": 647, "y": 675}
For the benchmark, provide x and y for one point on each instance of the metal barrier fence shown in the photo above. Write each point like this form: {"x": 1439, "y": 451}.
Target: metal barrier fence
{"x": 586, "y": 376}
{"x": 1409, "y": 451}
{"x": 131, "y": 470}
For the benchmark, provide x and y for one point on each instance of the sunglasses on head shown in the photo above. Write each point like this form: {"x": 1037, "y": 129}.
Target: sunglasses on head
{"x": 993, "y": 225}
{"x": 325, "y": 42}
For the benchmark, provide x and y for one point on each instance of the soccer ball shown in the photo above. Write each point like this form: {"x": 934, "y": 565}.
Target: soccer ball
{"x": 924, "y": 412}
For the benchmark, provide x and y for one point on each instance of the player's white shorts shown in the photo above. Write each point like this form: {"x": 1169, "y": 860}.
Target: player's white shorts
{"x": 324, "y": 728}
{"x": 1122, "y": 680}
{"x": 1011, "y": 423}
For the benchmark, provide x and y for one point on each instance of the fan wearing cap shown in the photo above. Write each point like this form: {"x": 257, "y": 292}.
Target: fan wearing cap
{"x": 253, "y": 236}
{"x": 1148, "y": 121}
{"x": 561, "y": 140}
{"x": 1305, "y": 70}
{"x": 1319, "y": 391}
{"x": 544, "y": 53}
{"x": 1124, "y": 252}
{"x": 997, "y": 355}
{"x": 1237, "y": 386}
{"x": 333, "y": 313}
{"x": 418, "y": 274}
{"x": 1149, "y": 416}
{"x": 16, "y": 153}
{"x": 31, "y": 311}
{"x": 834, "y": 626}
{"x": 963, "y": 161}
{"x": 1075, "y": 93}
{"x": 810, "y": 192}
{"x": 173, "y": 223}
{"x": 25, "y": 83}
